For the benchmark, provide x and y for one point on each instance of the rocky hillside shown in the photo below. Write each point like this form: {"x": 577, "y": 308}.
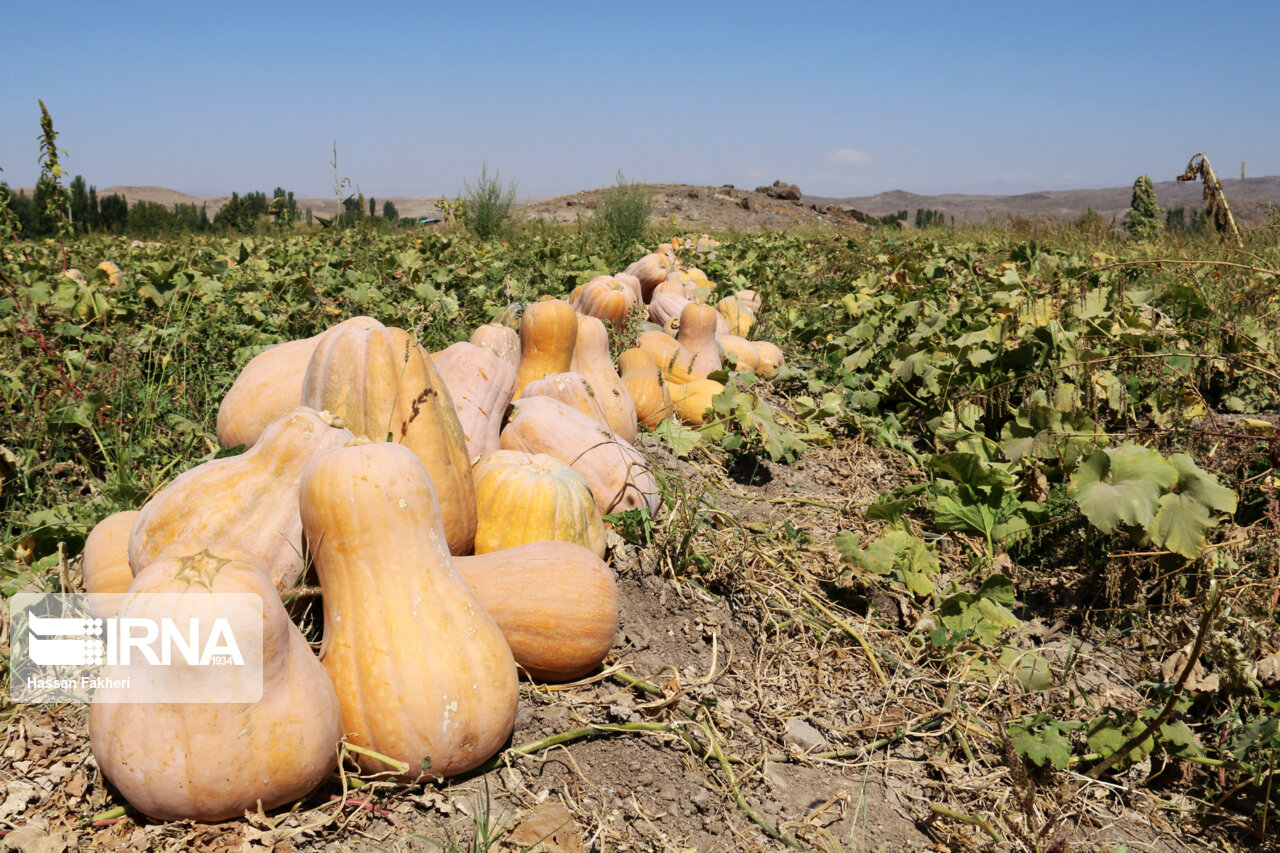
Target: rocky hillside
{"x": 1246, "y": 197}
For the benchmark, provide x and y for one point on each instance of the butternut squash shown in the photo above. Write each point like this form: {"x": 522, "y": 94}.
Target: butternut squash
{"x": 619, "y": 475}
{"x": 481, "y": 385}
{"x": 548, "y": 331}
{"x": 215, "y": 761}
{"x": 591, "y": 359}
{"x": 422, "y": 673}
{"x": 384, "y": 387}
{"x": 524, "y": 497}
{"x": 268, "y": 385}
{"x": 248, "y": 501}
{"x": 645, "y": 385}
{"x": 555, "y": 602}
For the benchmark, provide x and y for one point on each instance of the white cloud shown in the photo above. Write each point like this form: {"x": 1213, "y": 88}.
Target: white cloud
{"x": 850, "y": 155}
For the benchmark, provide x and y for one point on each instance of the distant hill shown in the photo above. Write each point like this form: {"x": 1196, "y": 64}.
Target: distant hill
{"x": 1245, "y": 197}
{"x": 726, "y": 207}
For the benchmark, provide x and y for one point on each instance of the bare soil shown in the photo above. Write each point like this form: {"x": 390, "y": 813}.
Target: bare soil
{"x": 725, "y": 208}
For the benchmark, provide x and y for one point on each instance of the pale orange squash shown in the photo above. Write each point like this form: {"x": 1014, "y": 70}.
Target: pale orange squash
{"x": 532, "y": 497}
{"x": 651, "y": 270}
{"x": 665, "y": 310}
{"x": 548, "y": 331}
{"x": 740, "y": 352}
{"x": 215, "y": 761}
{"x": 693, "y": 398}
{"x": 573, "y": 390}
{"x": 106, "y": 556}
{"x": 270, "y": 383}
{"x": 619, "y": 475}
{"x": 606, "y": 298}
{"x": 674, "y": 286}
{"x": 481, "y": 385}
{"x": 751, "y": 300}
{"x": 633, "y": 283}
{"x": 384, "y": 387}
{"x": 658, "y": 344}
{"x": 771, "y": 358}
{"x": 591, "y": 359}
{"x": 735, "y": 313}
{"x": 555, "y": 602}
{"x": 502, "y": 340}
{"x": 697, "y": 334}
{"x": 423, "y": 674}
{"x": 249, "y": 501}
{"x": 644, "y": 383}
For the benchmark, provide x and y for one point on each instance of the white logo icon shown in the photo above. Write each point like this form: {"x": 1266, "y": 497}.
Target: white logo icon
{"x": 88, "y": 651}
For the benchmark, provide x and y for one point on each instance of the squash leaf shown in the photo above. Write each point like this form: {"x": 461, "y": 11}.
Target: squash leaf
{"x": 1121, "y": 486}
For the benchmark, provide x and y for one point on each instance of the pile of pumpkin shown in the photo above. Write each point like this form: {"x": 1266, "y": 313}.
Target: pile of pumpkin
{"x": 451, "y": 505}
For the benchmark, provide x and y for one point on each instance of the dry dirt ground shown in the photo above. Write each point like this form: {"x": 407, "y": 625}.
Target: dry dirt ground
{"x": 738, "y": 711}
{"x": 725, "y": 208}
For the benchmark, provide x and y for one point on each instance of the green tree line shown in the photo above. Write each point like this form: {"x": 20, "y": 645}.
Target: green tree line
{"x": 111, "y": 214}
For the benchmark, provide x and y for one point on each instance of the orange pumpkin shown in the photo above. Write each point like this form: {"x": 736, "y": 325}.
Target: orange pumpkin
{"x": 665, "y": 309}
{"x": 619, "y": 475}
{"x": 268, "y": 385}
{"x": 106, "y": 556}
{"x": 573, "y": 390}
{"x": 771, "y": 358}
{"x": 735, "y": 313}
{"x": 651, "y": 270}
{"x": 693, "y": 398}
{"x": 741, "y": 352}
{"x": 248, "y": 501}
{"x": 608, "y": 299}
{"x": 750, "y": 300}
{"x": 644, "y": 383}
{"x": 481, "y": 385}
{"x": 697, "y": 334}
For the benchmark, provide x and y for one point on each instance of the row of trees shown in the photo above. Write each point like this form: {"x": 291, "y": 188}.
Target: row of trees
{"x": 85, "y": 210}
{"x": 112, "y": 214}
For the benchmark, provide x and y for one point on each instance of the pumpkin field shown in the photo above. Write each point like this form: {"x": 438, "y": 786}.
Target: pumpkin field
{"x": 833, "y": 539}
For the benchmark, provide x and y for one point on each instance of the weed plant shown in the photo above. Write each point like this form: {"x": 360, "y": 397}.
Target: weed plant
{"x": 621, "y": 218}
{"x": 488, "y": 206}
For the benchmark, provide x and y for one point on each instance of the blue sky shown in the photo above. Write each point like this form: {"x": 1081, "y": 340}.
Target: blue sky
{"x": 842, "y": 98}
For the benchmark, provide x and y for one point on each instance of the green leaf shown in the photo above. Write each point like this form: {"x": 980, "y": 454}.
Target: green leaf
{"x": 1121, "y": 486}
{"x": 1181, "y": 525}
{"x": 77, "y": 412}
{"x": 894, "y": 553}
{"x": 1185, "y": 517}
{"x": 951, "y": 514}
{"x": 1045, "y": 744}
{"x": 971, "y": 470}
{"x": 999, "y": 589}
{"x": 1106, "y": 735}
{"x": 1030, "y": 669}
{"x": 680, "y": 438}
{"x": 1195, "y": 481}
{"x": 1177, "y": 739}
